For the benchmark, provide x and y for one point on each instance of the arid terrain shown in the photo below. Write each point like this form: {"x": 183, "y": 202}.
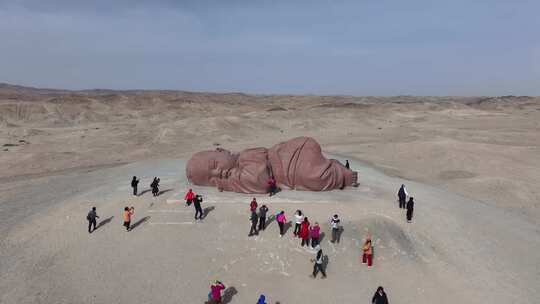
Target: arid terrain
{"x": 472, "y": 163}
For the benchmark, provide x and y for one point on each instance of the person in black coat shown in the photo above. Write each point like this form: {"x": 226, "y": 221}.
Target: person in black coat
{"x": 402, "y": 196}
{"x": 262, "y": 217}
{"x": 134, "y": 184}
{"x": 91, "y": 217}
{"x": 347, "y": 164}
{"x": 254, "y": 219}
{"x": 379, "y": 297}
{"x": 155, "y": 186}
{"x": 410, "y": 209}
{"x": 198, "y": 210}
{"x": 319, "y": 263}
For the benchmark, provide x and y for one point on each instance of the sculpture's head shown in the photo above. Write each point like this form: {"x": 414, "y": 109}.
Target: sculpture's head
{"x": 246, "y": 171}
{"x": 208, "y": 167}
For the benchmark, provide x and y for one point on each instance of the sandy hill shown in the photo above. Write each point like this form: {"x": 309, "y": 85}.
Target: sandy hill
{"x": 472, "y": 163}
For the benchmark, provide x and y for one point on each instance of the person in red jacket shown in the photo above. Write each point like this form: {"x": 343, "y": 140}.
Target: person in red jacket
{"x": 190, "y": 196}
{"x": 272, "y": 186}
{"x": 304, "y": 232}
{"x": 253, "y": 205}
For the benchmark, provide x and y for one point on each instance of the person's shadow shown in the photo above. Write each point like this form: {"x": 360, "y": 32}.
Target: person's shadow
{"x": 139, "y": 222}
{"x": 164, "y": 191}
{"x": 144, "y": 191}
{"x": 287, "y": 226}
{"x": 270, "y": 220}
{"x": 340, "y": 232}
{"x": 207, "y": 210}
{"x": 228, "y": 294}
{"x": 104, "y": 222}
{"x": 321, "y": 237}
{"x": 325, "y": 262}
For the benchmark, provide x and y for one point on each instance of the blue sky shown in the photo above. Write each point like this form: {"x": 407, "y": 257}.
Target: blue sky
{"x": 358, "y": 47}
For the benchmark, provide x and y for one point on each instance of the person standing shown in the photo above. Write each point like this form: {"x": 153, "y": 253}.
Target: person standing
{"x": 304, "y": 232}
{"x": 261, "y": 300}
{"x": 367, "y": 256}
{"x": 262, "y": 217}
{"x": 335, "y": 223}
{"x": 155, "y": 186}
{"x": 410, "y": 209}
{"x": 198, "y": 209}
{"x": 315, "y": 234}
{"x": 91, "y": 217}
{"x": 379, "y": 297}
{"x": 253, "y": 205}
{"x": 280, "y": 219}
{"x": 189, "y": 197}
{"x": 298, "y": 219}
{"x": 402, "y": 196}
{"x": 215, "y": 292}
{"x": 318, "y": 266}
{"x": 347, "y": 164}
{"x": 134, "y": 184}
{"x": 254, "y": 219}
{"x": 128, "y": 213}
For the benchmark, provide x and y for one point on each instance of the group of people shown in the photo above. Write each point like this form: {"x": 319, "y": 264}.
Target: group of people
{"x": 303, "y": 230}
{"x": 92, "y": 217}
{"x": 154, "y": 185}
{"x": 196, "y": 200}
{"x": 258, "y": 221}
{"x": 404, "y": 204}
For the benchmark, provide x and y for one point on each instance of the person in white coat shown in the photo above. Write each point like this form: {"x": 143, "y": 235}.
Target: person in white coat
{"x": 298, "y": 219}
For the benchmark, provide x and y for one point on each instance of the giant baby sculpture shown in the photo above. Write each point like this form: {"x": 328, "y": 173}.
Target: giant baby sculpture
{"x": 295, "y": 164}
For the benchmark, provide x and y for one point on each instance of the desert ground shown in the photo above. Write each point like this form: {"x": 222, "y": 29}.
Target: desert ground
{"x": 472, "y": 164}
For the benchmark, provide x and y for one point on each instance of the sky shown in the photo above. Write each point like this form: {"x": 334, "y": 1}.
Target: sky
{"x": 362, "y": 47}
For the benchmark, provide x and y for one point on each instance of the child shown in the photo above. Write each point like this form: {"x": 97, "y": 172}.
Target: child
{"x": 128, "y": 213}
{"x": 367, "y": 257}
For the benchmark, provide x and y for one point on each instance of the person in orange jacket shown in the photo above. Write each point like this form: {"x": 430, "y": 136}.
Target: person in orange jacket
{"x": 367, "y": 256}
{"x": 128, "y": 213}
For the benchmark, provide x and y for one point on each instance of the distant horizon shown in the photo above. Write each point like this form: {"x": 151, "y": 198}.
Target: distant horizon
{"x": 33, "y": 87}
{"x": 317, "y": 47}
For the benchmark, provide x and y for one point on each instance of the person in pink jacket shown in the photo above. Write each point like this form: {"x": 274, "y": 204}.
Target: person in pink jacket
{"x": 315, "y": 234}
{"x": 280, "y": 219}
{"x": 215, "y": 292}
